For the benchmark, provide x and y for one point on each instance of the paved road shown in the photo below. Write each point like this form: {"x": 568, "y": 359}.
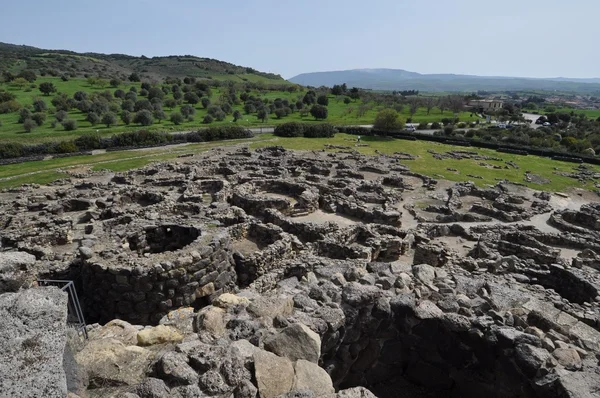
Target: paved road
{"x": 532, "y": 118}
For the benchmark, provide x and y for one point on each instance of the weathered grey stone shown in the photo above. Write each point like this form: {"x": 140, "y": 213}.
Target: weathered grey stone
{"x": 104, "y": 361}
{"x": 295, "y": 342}
{"x": 159, "y": 335}
{"x": 309, "y": 376}
{"x": 174, "y": 367}
{"x": 274, "y": 375}
{"x": 32, "y": 343}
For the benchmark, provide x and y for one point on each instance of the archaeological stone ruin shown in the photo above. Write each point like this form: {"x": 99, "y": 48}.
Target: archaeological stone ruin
{"x": 273, "y": 273}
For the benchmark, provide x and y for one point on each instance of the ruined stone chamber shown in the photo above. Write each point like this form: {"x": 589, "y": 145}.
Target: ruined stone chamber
{"x": 275, "y": 273}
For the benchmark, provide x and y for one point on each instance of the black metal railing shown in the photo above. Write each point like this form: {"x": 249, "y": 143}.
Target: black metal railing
{"x": 75, "y": 317}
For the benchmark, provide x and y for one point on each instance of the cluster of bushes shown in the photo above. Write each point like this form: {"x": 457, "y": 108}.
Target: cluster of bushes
{"x": 296, "y": 129}
{"x": 134, "y": 139}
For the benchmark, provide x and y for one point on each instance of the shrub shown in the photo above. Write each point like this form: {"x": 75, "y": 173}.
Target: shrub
{"x": 69, "y": 124}
{"x": 422, "y": 126}
{"x": 40, "y": 106}
{"x": 9, "y": 107}
{"x": 205, "y": 102}
{"x": 143, "y": 92}
{"x": 11, "y": 150}
{"x": 29, "y": 125}
{"x": 139, "y": 138}
{"x": 144, "y": 117}
{"x": 446, "y": 121}
{"x": 119, "y": 94}
{"x": 177, "y": 118}
{"x": 461, "y": 125}
{"x": 60, "y": 115}
{"x": 24, "y": 114}
{"x": 66, "y": 147}
{"x": 448, "y": 130}
{"x": 39, "y": 118}
{"x": 88, "y": 142}
{"x": 208, "y": 119}
{"x": 470, "y": 133}
{"x": 279, "y": 113}
{"x": 291, "y": 129}
{"x": 323, "y": 100}
{"x": 319, "y": 130}
{"x": 436, "y": 125}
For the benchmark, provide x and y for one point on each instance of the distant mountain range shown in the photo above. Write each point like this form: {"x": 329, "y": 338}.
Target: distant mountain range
{"x": 398, "y": 79}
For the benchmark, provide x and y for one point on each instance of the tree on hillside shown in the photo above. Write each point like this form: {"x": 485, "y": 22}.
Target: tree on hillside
{"x": 159, "y": 114}
{"x": 143, "y": 104}
{"x": 93, "y": 118}
{"x": 126, "y": 117}
{"x": 309, "y": 98}
{"x": 39, "y": 118}
{"x": 114, "y": 82}
{"x": 134, "y": 77}
{"x": 205, "y": 102}
{"x": 29, "y": 125}
{"x": 456, "y": 103}
{"x": 442, "y": 104}
{"x": 47, "y": 88}
{"x": 262, "y": 114}
{"x": 20, "y": 82}
{"x": 413, "y": 105}
{"x": 323, "y": 100}
{"x": 191, "y": 98}
{"x": 187, "y": 111}
{"x": 237, "y": 115}
{"x": 170, "y": 103}
{"x": 279, "y": 113}
{"x": 177, "y": 118}
{"x": 387, "y": 120}
{"x": 28, "y": 75}
{"x": 429, "y": 103}
{"x": 354, "y": 93}
{"x": 338, "y": 89}
{"x": 249, "y": 108}
{"x": 40, "y": 106}
{"x": 119, "y": 94}
{"x": 319, "y": 112}
{"x": 144, "y": 117}
{"x": 109, "y": 119}
{"x": 155, "y": 92}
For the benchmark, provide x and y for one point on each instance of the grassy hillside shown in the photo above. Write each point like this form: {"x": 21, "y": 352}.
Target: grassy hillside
{"x": 15, "y": 59}
{"x": 354, "y": 113}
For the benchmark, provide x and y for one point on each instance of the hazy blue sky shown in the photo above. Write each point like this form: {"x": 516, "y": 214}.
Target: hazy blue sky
{"x": 537, "y": 38}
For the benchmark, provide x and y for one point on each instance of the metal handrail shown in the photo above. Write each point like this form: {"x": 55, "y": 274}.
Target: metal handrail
{"x": 75, "y": 317}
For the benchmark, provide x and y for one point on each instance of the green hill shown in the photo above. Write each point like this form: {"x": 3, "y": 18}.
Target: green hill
{"x": 15, "y": 58}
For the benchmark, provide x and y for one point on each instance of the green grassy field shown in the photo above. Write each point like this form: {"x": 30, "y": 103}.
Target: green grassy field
{"x": 50, "y": 170}
{"x": 339, "y": 113}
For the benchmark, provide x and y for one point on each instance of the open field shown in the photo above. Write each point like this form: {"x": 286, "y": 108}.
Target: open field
{"x": 339, "y": 113}
{"x": 47, "y": 171}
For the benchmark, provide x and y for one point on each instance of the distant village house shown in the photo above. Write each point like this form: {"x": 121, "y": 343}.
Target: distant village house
{"x": 486, "y": 105}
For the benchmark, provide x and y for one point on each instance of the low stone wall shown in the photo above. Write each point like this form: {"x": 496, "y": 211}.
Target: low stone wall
{"x": 365, "y": 214}
{"x": 305, "y": 231}
{"x": 144, "y": 294}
